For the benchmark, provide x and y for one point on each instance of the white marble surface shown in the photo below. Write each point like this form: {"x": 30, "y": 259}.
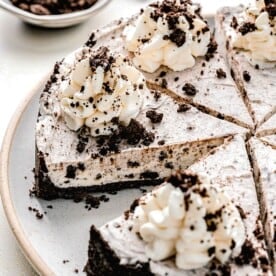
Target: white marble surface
{"x": 26, "y": 55}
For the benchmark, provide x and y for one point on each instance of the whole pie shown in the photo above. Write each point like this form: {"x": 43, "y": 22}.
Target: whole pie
{"x": 147, "y": 98}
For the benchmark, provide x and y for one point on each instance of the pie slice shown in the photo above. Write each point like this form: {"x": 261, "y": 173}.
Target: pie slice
{"x": 113, "y": 140}
{"x": 212, "y": 86}
{"x": 264, "y": 163}
{"x": 252, "y": 67}
{"x": 268, "y": 127}
{"x": 151, "y": 251}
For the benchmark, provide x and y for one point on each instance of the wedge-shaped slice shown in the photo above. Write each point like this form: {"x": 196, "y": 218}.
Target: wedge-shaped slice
{"x": 256, "y": 84}
{"x": 166, "y": 134}
{"x": 264, "y": 162}
{"x": 228, "y": 167}
{"x": 214, "y": 90}
{"x": 268, "y": 127}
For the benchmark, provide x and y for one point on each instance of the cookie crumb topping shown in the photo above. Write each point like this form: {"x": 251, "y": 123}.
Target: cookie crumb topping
{"x": 189, "y": 89}
{"x": 220, "y": 73}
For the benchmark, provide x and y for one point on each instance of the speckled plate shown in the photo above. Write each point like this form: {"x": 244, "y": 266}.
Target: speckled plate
{"x": 63, "y": 232}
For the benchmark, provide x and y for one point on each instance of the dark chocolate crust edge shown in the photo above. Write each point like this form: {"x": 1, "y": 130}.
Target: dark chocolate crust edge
{"x": 102, "y": 260}
{"x": 44, "y": 187}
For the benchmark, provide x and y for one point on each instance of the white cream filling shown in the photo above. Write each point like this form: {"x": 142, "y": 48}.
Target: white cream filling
{"x": 173, "y": 226}
{"x": 260, "y": 44}
{"x": 146, "y": 39}
{"x": 95, "y": 98}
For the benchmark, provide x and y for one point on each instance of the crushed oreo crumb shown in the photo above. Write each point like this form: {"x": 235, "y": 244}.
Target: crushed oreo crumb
{"x": 211, "y": 251}
{"x": 247, "y": 255}
{"x": 133, "y": 134}
{"x": 161, "y": 142}
{"x": 162, "y": 74}
{"x": 102, "y": 59}
{"x": 169, "y": 165}
{"x": 220, "y": 73}
{"x": 38, "y": 214}
{"x": 91, "y": 41}
{"x": 178, "y": 37}
{"x": 91, "y": 201}
{"x": 270, "y": 7}
{"x": 83, "y": 138}
{"x": 234, "y": 23}
{"x": 154, "y": 116}
{"x": 183, "y": 180}
{"x": 163, "y": 155}
{"x": 133, "y": 164}
{"x": 149, "y": 175}
{"x": 156, "y": 95}
{"x": 211, "y": 49}
{"x": 183, "y": 108}
{"x": 247, "y": 27}
{"x": 71, "y": 171}
{"x": 189, "y": 89}
{"x": 246, "y": 76}
{"x": 164, "y": 83}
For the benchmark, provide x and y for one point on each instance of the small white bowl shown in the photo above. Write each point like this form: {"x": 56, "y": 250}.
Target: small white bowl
{"x": 54, "y": 21}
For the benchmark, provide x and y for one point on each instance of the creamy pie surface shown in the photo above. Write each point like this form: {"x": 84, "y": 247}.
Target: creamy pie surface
{"x": 162, "y": 118}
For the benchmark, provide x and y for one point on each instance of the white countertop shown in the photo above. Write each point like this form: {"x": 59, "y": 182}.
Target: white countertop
{"x": 26, "y": 55}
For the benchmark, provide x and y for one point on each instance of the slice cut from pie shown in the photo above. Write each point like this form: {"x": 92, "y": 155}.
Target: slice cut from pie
{"x": 121, "y": 136}
{"x": 212, "y": 88}
{"x": 268, "y": 127}
{"x": 264, "y": 163}
{"x": 252, "y": 69}
{"x": 158, "y": 213}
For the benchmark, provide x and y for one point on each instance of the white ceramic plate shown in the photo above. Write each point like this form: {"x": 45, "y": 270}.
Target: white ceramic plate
{"x": 63, "y": 233}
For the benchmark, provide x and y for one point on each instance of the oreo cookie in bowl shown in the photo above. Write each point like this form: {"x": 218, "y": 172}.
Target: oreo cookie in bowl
{"x": 53, "y": 13}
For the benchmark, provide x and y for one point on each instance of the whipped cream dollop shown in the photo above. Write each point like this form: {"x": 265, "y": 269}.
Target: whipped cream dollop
{"x": 256, "y": 31}
{"x": 101, "y": 87}
{"x": 170, "y": 33}
{"x": 189, "y": 219}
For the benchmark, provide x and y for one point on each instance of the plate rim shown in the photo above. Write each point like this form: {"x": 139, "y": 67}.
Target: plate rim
{"x": 24, "y": 243}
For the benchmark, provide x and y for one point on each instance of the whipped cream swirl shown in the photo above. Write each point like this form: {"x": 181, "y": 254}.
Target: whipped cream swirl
{"x": 256, "y": 32}
{"x": 186, "y": 217}
{"x": 170, "y": 33}
{"x": 101, "y": 87}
